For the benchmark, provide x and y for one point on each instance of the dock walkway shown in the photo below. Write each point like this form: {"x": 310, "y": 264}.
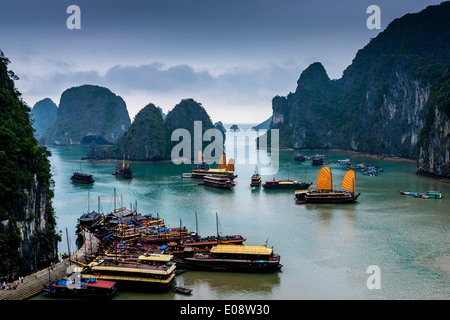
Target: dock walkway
{"x": 33, "y": 283}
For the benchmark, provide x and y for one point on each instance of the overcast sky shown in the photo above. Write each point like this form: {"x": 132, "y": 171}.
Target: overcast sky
{"x": 232, "y": 56}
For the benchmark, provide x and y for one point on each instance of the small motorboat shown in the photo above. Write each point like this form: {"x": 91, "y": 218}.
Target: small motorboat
{"x": 182, "y": 290}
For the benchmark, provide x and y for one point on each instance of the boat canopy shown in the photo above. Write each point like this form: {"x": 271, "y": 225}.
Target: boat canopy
{"x": 324, "y": 181}
{"x": 156, "y": 257}
{"x": 348, "y": 183}
{"x": 241, "y": 249}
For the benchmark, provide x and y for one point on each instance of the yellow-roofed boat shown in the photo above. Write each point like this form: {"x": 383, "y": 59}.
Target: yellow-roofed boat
{"x": 147, "y": 272}
{"x": 224, "y": 170}
{"x": 325, "y": 193}
{"x": 229, "y": 257}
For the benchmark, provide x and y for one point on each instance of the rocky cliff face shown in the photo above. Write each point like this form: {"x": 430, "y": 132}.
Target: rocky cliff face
{"x": 434, "y": 138}
{"x": 434, "y": 150}
{"x": 88, "y": 111}
{"x": 149, "y": 137}
{"x": 44, "y": 115}
{"x": 27, "y": 223}
{"x": 383, "y": 100}
{"x": 144, "y": 140}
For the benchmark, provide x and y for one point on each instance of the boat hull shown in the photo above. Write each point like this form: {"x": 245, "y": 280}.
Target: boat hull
{"x": 295, "y": 186}
{"x": 262, "y": 266}
{"x": 330, "y": 198}
{"x": 77, "y": 294}
{"x": 201, "y": 174}
{"x": 82, "y": 181}
{"x": 218, "y": 185}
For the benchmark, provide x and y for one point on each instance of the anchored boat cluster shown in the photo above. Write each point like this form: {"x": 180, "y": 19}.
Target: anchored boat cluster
{"x": 140, "y": 252}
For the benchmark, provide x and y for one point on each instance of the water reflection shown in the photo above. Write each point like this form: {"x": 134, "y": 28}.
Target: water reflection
{"x": 232, "y": 284}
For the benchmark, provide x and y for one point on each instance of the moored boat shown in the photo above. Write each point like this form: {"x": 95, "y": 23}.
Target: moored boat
{"x": 286, "y": 184}
{"x": 182, "y": 290}
{"x": 204, "y": 244}
{"x": 224, "y": 170}
{"x": 426, "y": 195}
{"x": 299, "y": 157}
{"x": 124, "y": 171}
{"x": 317, "y": 161}
{"x": 82, "y": 177}
{"x": 84, "y": 287}
{"x": 234, "y": 258}
{"x": 256, "y": 179}
{"x": 89, "y": 221}
{"x": 325, "y": 193}
{"x": 152, "y": 272}
{"x": 217, "y": 181}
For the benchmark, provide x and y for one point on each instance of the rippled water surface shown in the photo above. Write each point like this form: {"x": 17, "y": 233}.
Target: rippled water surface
{"x": 325, "y": 249}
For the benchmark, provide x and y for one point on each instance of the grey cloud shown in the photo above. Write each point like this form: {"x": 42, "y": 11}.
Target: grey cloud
{"x": 154, "y": 77}
{"x": 157, "y": 78}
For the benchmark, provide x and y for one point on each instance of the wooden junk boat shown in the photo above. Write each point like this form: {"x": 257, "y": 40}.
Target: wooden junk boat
{"x": 256, "y": 179}
{"x": 82, "y": 177}
{"x": 150, "y": 272}
{"x": 226, "y": 257}
{"x": 317, "y": 161}
{"x": 124, "y": 171}
{"x": 224, "y": 170}
{"x": 325, "y": 192}
{"x": 204, "y": 244}
{"x": 286, "y": 184}
{"x": 81, "y": 288}
{"x": 89, "y": 220}
{"x": 218, "y": 181}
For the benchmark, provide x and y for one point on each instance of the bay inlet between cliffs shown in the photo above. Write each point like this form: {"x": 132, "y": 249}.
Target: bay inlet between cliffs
{"x": 326, "y": 250}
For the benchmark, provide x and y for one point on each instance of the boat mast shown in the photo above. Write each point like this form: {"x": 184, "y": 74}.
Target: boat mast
{"x": 288, "y": 171}
{"x": 114, "y": 200}
{"x": 68, "y": 247}
{"x": 88, "y": 203}
{"x": 196, "y": 223}
{"x": 354, "y": 184}
{"x": 180, "y": 232}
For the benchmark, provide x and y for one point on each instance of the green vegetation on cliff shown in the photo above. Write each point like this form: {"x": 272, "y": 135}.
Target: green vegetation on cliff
{"x": 144, "y": 140}
{"x": 384, "y": 98}
{"x": 43, "y": 115}
{"x": 87, "y": 111}
{"x": 149, "y": 136}
{"x": 24, "y": 169}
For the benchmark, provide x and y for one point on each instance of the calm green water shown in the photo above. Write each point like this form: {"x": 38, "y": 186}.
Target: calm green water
{"x": 325, "y": 249}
